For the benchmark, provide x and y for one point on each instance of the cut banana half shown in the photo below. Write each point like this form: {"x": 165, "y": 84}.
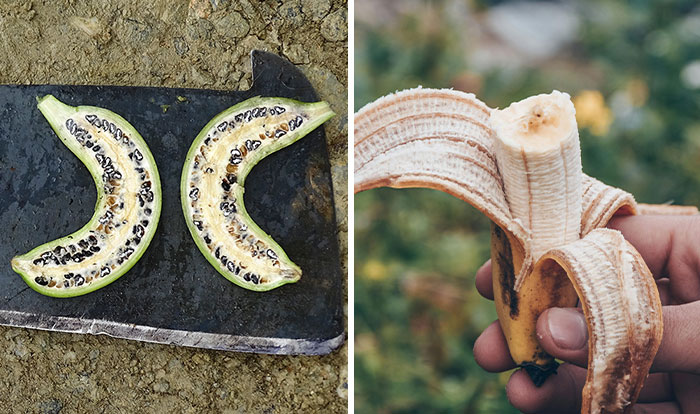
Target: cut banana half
{"x": 521, "y": 167}
{"x": 212, "y": 187}
{"x": 126, "y": 212}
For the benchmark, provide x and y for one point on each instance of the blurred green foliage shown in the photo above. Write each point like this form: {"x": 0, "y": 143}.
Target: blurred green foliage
{"x": 417, "y": 313}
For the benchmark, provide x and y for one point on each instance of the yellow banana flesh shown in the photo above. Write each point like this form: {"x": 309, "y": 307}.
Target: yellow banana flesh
{"x": 446, "y": 140}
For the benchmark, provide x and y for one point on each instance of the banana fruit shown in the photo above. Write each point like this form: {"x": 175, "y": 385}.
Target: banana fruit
{"x": 521, "y": 167}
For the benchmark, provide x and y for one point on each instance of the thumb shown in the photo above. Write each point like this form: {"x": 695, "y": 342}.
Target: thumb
{"x": 563, "y": 333}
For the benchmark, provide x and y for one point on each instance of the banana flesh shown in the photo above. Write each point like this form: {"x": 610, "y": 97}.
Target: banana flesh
{"x": 521, "y": 168}
{"x": 538, "y": 154}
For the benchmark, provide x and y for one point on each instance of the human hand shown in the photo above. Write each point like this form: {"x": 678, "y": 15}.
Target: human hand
{"x": 670, "y": 246}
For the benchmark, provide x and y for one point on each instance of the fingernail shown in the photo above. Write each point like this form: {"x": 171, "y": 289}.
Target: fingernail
{"x": 568, "y": 328}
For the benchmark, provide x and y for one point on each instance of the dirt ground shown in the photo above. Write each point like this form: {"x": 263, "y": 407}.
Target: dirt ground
{"x": 199, "y": 44}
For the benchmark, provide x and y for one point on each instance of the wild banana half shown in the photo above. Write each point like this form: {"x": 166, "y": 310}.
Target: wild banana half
{"x": 521, "y": 167}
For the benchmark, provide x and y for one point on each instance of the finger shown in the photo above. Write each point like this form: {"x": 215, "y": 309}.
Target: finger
{"x": 687, "y": 390}
{"x": 560, "y": 394}
{"x": 483, "y": 281}
{"x": 680, "y": 345}
{"x": 657, "y": 388}
{"x": 668, "y": 246}
{"x": 670, "y": 407}
{"x": 491, "y": 350}
{"x": 563, "y": 333}
{"x": 652, "y": 236}
{"x": 663, "y": 285}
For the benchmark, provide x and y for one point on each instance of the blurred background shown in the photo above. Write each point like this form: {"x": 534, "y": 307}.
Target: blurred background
{"x": 633, "y": 71}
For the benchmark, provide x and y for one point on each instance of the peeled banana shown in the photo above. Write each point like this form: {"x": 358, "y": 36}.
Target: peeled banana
{"x": 521, "y": 167}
